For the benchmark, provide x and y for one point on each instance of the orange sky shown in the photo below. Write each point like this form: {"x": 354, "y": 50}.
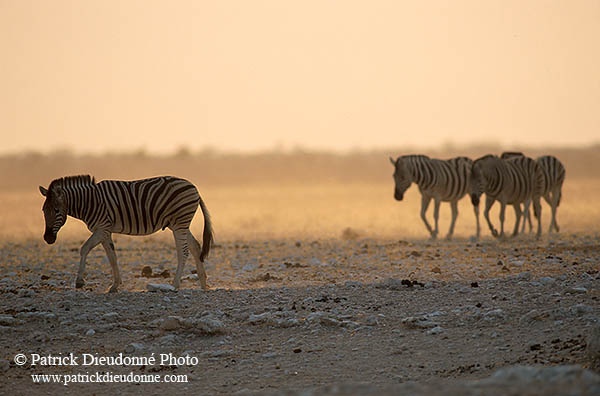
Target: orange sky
{"x": 121, "y": 75}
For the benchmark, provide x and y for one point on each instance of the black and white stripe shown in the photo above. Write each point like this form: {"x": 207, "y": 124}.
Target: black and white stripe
{"x": 554, "y": 176}
{"x": 440, "y": 180}
{"x": 139, "y": 207}
{"x": 512, "y": 181}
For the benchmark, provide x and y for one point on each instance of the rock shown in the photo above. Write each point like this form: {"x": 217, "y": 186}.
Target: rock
{"x": 494, "y": 315}
{"x": 8, "y": 320}
{"x": 413, "y": 322}
{"x": 547, "y": 281}
{"x": 171, "y": 323}
{"x": 210, "y": 325}
{"x": 260, "y": 318}
{"x": 547, "y": 375}
{"x": 576, "y": 290}
{"x": 524, "y": 276}
{"x": 110, "y": 316}
{"x": 159, "y": 287}
{"x": 134, "y": 348}
{"x": 147, "y": 272}
{"x": 580, "y": 309}
{"x": 533, "y": 315}
{"x": 593, "y": 346}
{"x": 90, "y": 332}
{"x": 436, "y": 270}
{"x": 435, "y": 330}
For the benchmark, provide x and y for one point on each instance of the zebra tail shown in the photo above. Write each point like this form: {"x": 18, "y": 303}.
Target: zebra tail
{"x": 207, "y": 235}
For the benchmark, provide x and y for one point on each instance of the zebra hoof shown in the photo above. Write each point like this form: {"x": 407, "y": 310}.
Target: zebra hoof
{"x": 79, "y": 283}
{"x": 113, "y": 289}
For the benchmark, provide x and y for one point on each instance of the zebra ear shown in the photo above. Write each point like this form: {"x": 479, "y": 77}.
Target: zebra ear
{"x": 392, "y": 161}
{"x": 43, "y": 191}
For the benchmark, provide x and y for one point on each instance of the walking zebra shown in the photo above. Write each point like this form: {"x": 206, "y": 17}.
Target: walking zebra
{"x": 554, "y": 177}
{"x": 440, "y": 180}
{"x": 510, "y": 181}
{"x": 139, "y": 207}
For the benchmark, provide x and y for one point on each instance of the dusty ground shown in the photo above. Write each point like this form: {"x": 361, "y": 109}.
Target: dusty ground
{"x": 309, "y": 286}
{"x": 299, "y": 313}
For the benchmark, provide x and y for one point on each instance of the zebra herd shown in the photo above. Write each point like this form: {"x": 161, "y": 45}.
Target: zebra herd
{"x": 511, "y": 179}
{"x": 143, "y": 207}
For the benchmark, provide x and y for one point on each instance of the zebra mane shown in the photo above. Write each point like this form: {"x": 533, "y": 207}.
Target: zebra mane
{"x": 73, "y": 181}
{"x": 486, "y": 157}
{"x": 414, "y": 156}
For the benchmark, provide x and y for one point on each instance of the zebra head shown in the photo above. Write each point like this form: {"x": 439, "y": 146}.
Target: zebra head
{"x": 477, "y": 181}
{"x": 55, "y": 211}
{"x": 402, "y": 178}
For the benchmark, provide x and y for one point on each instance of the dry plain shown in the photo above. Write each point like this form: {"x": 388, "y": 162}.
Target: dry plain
{"x": 319, "y": 283}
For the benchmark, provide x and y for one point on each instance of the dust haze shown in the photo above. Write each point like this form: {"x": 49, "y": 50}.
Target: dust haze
{"x": 288, "y": 194}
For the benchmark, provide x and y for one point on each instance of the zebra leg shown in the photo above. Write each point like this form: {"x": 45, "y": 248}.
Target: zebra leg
{"x": 424, "y": 205}
{"x": 502, "y": 210}
{"x": 109, "y": 247}
{"x": 537, "y": 210}
{"x": 486, "y": 213}
{"x": 454, "y": 208}
{"x": 91, "y": 243}
{"x": 195, "y": 249}
{"x": 476, "y": 210}
{"x": 518, "y": 214}
{"x": 180, "y": 236}
{"x": 525, "y": 216}
{"x": 436, "y": 216}
{"x": 551, "y": 199}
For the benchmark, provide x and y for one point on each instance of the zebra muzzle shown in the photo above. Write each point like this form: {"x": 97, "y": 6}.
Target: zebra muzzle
{"x": 398, "y": 195}
{"x": 49, "y": 237}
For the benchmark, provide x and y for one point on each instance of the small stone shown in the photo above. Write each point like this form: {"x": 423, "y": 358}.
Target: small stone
{"x": 436, "y": 270}
{"x": 90, "y": 332}
{"x": 171, "y": 323}
{"x": 435, "y": 330}
{"x": 158, "y": 287}
{"x": 134, "y": 347}
{"x": 576, "y": 290}
{"x": 147, "y": 272}
{"x": 8, "y": 320}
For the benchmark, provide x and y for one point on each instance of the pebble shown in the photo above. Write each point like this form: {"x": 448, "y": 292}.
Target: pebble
{"x": 134, "y": 348}
{"x": 435, "y": 330}
{"x": 159, "y": 287}
{"x": 593, "y": 346}
{"x": 576, "y": 290}
{"x": 8, "y": 320}
{"x": 171, "y": 323}
{"x": 90, "y": 332}
{"x": 494, "y": 315}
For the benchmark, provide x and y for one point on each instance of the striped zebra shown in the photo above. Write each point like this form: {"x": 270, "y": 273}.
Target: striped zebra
{"x": 440, "y": 180}
{"x": 554, "y": 177}
{"x": 513, "y": 181}
{"x": 139, "y": 207}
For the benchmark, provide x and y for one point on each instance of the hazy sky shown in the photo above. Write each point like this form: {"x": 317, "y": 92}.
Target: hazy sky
{"x": 120, "y": 75}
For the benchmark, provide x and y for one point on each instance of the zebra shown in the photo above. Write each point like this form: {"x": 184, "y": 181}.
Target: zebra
{"x": 512, "y": 181}
{"x": 139, "y": 207}
{"x": 554, "y": 177}
{"x": 440, "y": 180}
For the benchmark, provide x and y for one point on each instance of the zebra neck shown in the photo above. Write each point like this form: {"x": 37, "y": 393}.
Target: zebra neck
{"x": 420, "y": 175}
{"x": 80, "y": 202}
